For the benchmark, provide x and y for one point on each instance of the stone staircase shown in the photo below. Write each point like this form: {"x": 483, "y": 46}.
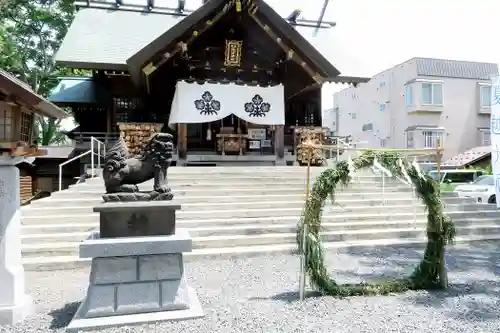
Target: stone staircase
{"x": 251, "y": 210}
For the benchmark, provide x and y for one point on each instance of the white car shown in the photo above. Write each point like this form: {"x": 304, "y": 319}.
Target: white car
{"x": 482, "y": 189}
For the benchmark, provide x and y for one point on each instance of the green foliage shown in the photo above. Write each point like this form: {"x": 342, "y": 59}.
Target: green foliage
{"x": 31, "y": 31}
{"x": 440, "y": 229}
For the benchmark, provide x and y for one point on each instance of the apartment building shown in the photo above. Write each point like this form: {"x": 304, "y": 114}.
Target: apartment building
{"x": 414, "y": 104}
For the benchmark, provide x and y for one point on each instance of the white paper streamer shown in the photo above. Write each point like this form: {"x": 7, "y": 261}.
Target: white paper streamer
{"x": 350, "y": 167}
{"x": 379, "y": 166}
{"x": 403, "y": 171}
{"x": 417, "y": 168}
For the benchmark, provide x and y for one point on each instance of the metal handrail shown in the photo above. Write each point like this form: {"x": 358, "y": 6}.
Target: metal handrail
{"x": 385, "y": 173}
{"x": 93, "y": 141}
{"x": 67, "y": 162}
{"x": 99, "y": 143}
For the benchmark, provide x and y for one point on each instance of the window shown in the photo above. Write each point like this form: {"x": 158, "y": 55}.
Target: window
{"x": 459, "y": 177}
{"x": 367, "y": 127}
{"x": 485, "y": 137}
{"x": 485, "y": 96}
{"x": 409, "y": 140}
{"x": 383, "y": 143}
{"x": 432, "y": 94}
{"x": 409, "y": 95}
{"x": 382, "y": 107}
{"x": 353, "y": 115}
{"x": 431, "y": 138}
{"x": 484, "y": 180}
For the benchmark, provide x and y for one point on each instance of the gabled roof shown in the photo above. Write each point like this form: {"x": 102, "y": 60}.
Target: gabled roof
{"x": 105, "y": 39}
{"x": 282, "y": 28}
{"x": 12, "y": 86}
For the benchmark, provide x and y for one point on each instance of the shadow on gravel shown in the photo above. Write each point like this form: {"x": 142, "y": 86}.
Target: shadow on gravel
{"x": 473, "y": 272}
{"x": 286, "y": 297}
{"x": 479, "y": 301}
{"x": 62, "y": 317}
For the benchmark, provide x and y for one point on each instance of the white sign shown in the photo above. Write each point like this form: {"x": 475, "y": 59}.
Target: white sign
{"x": 257, "y": 133}
{"x": 495, "y": 135}
{"x": 266, "y": 143}
{"x": 253, "y": 144}
{"x": 204, "y": 103}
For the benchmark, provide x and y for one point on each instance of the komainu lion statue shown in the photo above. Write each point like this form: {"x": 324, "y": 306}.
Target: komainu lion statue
{"x": 123, "y": 172}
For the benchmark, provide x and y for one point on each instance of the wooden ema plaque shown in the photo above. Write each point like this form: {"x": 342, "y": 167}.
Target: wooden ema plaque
{"x": 315, "y": 135}
{"x": 137, "y": 135}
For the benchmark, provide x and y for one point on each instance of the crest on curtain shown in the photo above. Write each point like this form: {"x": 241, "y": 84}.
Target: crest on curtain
{"x": 207, "y": 105}
{"x": 257, "y": 108}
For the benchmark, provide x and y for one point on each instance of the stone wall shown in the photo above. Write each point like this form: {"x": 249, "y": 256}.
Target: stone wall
{"x": 135, "y": 284}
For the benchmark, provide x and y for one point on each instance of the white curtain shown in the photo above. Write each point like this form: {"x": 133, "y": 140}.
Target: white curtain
{"x": 202, "y": 103}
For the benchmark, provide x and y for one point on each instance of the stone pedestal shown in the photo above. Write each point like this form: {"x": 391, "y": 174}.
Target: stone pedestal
{"x": 138, "y": 279}
{"x": 138, "y": 218}
{"x": 15, "y": 305}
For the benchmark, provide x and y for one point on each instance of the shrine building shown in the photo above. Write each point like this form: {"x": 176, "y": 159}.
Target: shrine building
{"x": 232, "y": 81}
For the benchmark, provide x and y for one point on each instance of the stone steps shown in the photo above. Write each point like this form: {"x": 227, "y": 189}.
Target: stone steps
{"x": 489, "y": 211}
{"x": 373, "y": 199}
{"x": 193, "y": 211}
{"x": 216, "y": 233}
{"x": 54, "y": 263}
{"x": 240, "y": 240}
{"x": 78, "y": 232}
{"x": 247, "y": 209}
{"x": 209, "y": 187}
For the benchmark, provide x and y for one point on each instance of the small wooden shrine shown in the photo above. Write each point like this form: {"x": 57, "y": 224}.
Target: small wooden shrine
{"x": 19, "y": 105}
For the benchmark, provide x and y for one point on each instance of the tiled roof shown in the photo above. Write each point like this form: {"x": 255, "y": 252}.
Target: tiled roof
{"x": 75, "y": 90}
{"x": 110, "y": 36}
{"x": 455, "y": 69}
{"x": 468, "y": 156}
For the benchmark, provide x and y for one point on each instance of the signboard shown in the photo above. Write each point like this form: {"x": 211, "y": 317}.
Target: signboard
{"x": 253, "y": 144}
{"x": 232, "y": 56}
{"x": 266, "y": 143}
{"x": 495, "y": 134}
{"x": 256, "y": 133}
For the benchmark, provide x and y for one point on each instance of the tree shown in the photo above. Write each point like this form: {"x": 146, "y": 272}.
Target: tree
{"x": 31, "y": 31}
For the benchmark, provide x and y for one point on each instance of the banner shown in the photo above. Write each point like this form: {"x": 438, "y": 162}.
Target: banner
{"x": 495, "y": 134}
{"x": 203, "y": 103}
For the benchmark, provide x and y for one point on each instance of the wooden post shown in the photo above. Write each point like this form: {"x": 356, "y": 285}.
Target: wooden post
{"x": 109, "y": 124}
{"x": 303, "y": 254}
{"x": 182, "y": 140}
{"x": 279, "y": 141}
{"x": 443, "y": 276}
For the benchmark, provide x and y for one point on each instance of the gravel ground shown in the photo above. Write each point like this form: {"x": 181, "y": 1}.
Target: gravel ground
{"x": 259, "y": 295}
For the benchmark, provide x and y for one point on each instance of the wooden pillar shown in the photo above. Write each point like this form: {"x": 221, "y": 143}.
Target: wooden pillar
{"x": 182, "y": 140}
{"x": 279, "y": 141}
{"x": 109, "y": 123}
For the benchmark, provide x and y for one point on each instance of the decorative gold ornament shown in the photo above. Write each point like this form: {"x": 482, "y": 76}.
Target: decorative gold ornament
{"x": 232, "y": 55}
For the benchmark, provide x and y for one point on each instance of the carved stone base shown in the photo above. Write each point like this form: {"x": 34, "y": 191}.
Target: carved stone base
{"x": 136, "y": 280}
{"x": 128, "y": 219}
{"x": 137, "y": 196}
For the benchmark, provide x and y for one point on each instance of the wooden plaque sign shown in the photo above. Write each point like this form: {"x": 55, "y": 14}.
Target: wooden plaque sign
{"x": 232, "y": 55}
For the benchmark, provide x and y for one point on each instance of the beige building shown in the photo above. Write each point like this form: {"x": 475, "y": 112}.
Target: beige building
{"x": 413, "y": 104}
